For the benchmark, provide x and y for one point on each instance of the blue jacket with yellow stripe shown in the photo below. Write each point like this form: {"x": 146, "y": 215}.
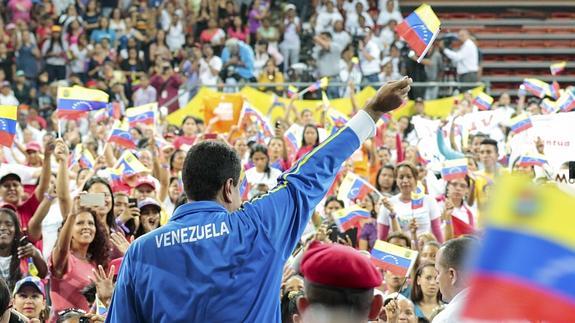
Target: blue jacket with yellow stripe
{"x": 209, "y": 265}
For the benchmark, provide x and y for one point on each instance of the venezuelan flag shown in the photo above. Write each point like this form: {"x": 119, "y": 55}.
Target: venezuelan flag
{"x": 453, "y": 169}
{"x": 354, "y": 188}
{"x": 417, "y": 197}
{"x": 276, "y": 102}
{"x": 291, "y": 91}
{"x": 531, "y": 160}
{"x": 244, "y": 189}
{"x": 319, "y": 84}
{"x": 549, "y": 107}
{"x": 483, "y": 101}
{"x": 350, "y": 217}
{"x": 128, "y": 164}
{"x": 555, "y": 90}
{"x": 419, "y": 29}
{"x": 557, "y": 68}
{"x": 145, "y": 114}
{"x": 520, "y": 123}
{"x": 87, "y": 159}
{"x": 394, "y": 258}
{"x": 293, "y": 144}
{"x": 537, "y": 87}
{"x": 264, "y": 127}
{"x": 100, "y": 307}
{"x": 8, "y": 117}
{"x": 74, "y": 102}
{"x": 527, "y": 255}
{"x": 122, "y": 136}
{"x": 566, "y": 102}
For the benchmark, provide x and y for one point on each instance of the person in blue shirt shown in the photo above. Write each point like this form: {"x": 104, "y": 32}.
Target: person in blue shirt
{"x": 103, "y": 32}
{"x": 218, "y": 260}
{"x": 238, "y": 61}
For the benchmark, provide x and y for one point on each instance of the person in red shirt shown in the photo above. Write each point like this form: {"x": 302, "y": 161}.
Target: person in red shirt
{"x": 12, "y": 190}
{"x": 189, "y": 130}
{"x": 310, "y": 140}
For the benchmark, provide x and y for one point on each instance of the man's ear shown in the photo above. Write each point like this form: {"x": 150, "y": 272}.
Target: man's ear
{"x": 302, "y": 304}
{"x": 376, "y": 305}
{"x": 453, "y": 276}
{"x": 227, "y": 190}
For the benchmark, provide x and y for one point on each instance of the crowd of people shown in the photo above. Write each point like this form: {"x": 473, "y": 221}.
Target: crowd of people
{"x": 67, "y": 222}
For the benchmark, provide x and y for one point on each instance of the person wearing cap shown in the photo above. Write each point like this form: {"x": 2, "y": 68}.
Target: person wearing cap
{"x": 55, "y": 55}
{"x": 12, "y": 190}
{"x": 229, "y": 252}
{"x": 146, "y": 188}
{"x": 339, "y": 284}
{"x": 32, "y": 150}
{"x": 29, "y": 298}
{"x": 6, "y": 95}
{"x": 150, "y": 211}
{"x": 291, "y": 30}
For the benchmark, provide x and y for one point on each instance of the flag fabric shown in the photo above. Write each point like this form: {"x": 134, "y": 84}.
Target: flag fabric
{"x": 454, "y": 168}
{"x": 245, "y": 188}
{"x": 350, "y": 217}
{"x": 101, "y": 116}
{"x": 461, "y": 227}
{"x": 335, "y": 121}
{"x": 276, "y": 101}
{"x": 291, "y": 91}
{"x": 145, "y": 114}
{"x": 396, "y": 259}
{"x": 417, "y": 197}
{"x": 87, "y": 159}
{"x": 128, "y": 164}
{"x": 354, "y": 188}
{"x": 419, "y": 30}
{"x": 537, "y": 87}
{"x": 526, "y": 255}
{"x": 32, "y": 269}
{"x": 74, "y": 102}
{"x": 115, "y": 110}
{"x": 566, "y": 101}
{"x": 548, "y": 106}
{"x": 483, "y": 101}
{"x": 75, "y": 156}
{"x": 265, "y": 131}
{"x": 100, "y": 307}
{"x": 116, "y": 179}
{"x": 292, "y": 143}
{"x": 555, "y": 90}
{"x": 319, "y": 84}
{"x": 520, "y": 123}
{"x": 531, "y": 160}
{"x": 8, "y": 117}
{"x": 386, "y": 118}
{"x": 121, "y": 135}
{"x": 557, "y": 68}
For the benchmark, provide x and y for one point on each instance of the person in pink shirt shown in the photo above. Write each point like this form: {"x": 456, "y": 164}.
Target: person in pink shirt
{"x": 238, "y": 30}
{"x": 20, "y": 10}
{"x": 189, "y": 132}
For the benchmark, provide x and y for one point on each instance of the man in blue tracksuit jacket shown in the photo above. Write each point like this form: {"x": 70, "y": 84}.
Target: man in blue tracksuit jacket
{"x": 215, "y": 261}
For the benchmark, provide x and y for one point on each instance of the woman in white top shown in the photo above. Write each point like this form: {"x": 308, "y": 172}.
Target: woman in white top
{"x": 398, "y": 214}
{"x": 262, "y": 177}
{"x": 458, "y": 217}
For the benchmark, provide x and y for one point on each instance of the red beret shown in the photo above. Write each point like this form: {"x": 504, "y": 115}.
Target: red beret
{"x": 339, "y": 266}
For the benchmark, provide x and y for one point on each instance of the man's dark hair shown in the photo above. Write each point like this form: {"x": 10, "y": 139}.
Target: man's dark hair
{"x": 399, "y": 235}
{"x": 454, "y": 252}
{"x": 207, "y": 167}
{"x": 489, "y": 141}
{"x": 356, "y": 302}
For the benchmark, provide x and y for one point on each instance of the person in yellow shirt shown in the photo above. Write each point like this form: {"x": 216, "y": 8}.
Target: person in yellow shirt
{"x": 271, "y": 74}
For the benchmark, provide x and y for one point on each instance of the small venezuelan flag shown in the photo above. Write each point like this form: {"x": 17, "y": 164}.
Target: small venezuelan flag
{"x": 483, "y": 101}
{"x": 100, "y": 307}
{"x": 396, "y": 259}
{"x": 557, "y": 67}
{"x": 75, "y": 102}
{"x": 87, "y": 159}
{"x": 531, "y": 160}
{"x": 291, "y": 91}
{"x": 128, "y": 164}
{"x": 453, "y": 169}
{"x": 549, "y": 107}
{"x": 319, "y": 84}
{"x": 145, "y": 114}
{"x": 350, "y": 217}
{"x": 122, "y": 136}
{"x": 8, "y": 117}
{"x": 520, "y": 123}
{"x": 419, "y": 30}
{"x": 526, "y": 255}
{"x": 417, "y": 197}
{"x": 537, "y": 87}
{"x": 566, "y": 102}
{"x": 354, "y": 188}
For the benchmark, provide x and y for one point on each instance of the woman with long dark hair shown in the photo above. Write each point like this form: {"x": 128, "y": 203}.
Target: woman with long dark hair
{"x": 105, "y": 213}
{"x": 368, "y": 234}
{"x": 54, "y": 54}
{"x": 82, "y": 246}
{"x": 425, "y": 291}
{"x": 278, "y": 153}
{"x": 309, "y": 140}
{"x": 17, "y": 257}
{"x": 262, "y": 173}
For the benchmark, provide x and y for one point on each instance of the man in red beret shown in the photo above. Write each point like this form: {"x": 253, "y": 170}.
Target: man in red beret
{"x": 339, "y": 285}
